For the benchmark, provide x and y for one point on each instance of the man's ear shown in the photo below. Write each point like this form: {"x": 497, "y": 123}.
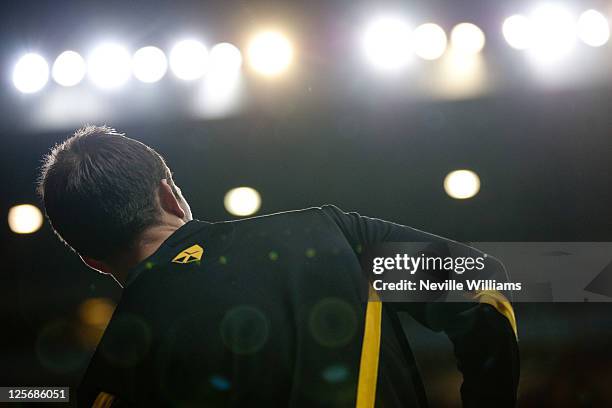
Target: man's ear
{"x": 169, "y": 202}
{"x": 95, "y": 264}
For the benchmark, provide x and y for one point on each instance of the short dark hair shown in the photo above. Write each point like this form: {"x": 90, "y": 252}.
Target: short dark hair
{"x": 99, "y": 190}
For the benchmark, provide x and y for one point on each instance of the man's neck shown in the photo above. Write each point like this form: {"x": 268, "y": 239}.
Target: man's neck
{"x": 147, "y": 243}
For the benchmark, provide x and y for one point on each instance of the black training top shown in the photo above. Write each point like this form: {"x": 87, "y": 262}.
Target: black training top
{"x": 270, "y": 311}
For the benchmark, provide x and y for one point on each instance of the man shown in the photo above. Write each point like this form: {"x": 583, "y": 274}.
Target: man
{"x": 266, "y": 311}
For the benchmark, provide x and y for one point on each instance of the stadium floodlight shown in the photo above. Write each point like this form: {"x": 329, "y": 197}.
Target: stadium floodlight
{"x": 593, "y": 28}
{"x": 109, "y": 66}
{"x": 149, "y": 64}
{"x": 387, "y": 43}
{"x": 270, "y": 53}
{"x": 25, "y": 219}
{"x": 554, "y": 30}
{"x": 462, "y": 184}
{"x": 69, "y": 68}
{"x": 189, "y": 60}
{"x": 467, "y": 38}
{"x": 242, "y": 201}
{"x": 518, "y": 32}
{"x": 429, "y": 41}
{"x": 225, "y": 58}
{"x": 31, "y": 73}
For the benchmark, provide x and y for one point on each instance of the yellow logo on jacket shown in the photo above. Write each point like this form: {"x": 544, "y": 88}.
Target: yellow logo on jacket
{"x": 192, "y": 254}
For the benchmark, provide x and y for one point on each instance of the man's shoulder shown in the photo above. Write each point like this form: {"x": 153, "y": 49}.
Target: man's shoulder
{"x": 192, "y": 242}
{"x": 323, "y": 212}
{"x": 303, "y": 212}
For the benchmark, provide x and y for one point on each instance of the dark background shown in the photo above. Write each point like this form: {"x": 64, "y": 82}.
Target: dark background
{"x": 328, "y": 134}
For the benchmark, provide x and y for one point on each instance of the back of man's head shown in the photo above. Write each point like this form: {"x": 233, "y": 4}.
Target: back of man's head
{"x": 99, "y": 190}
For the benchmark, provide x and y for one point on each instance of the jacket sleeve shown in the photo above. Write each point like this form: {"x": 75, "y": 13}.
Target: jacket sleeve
{"x": 483, "y": 330}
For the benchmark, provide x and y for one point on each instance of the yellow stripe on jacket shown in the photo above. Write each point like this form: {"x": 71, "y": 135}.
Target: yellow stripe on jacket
{"x": 104, "y": 400}
{"x": 499, "y": 302}
{"x": 370, "y": 349}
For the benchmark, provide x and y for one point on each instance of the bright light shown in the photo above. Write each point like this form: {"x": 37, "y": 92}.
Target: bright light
{"x": 189, "y": 60}
{"x": 518, "y": 32}
{"x": 69, "y": 68}
{"x": 242, "y": 201}
{"x": 467, "y": 38}
{"x": 593, "y": 28}
{"x": 270, "y": 53}
{"x": 555, "y": 33}
{"x": 225, "y": 58}
{"x": 24, "y": 219}
{"x": 109, "y": 66}
{"x": 222, "y": 85}
{"x": 387, "y": 43}
{"x": 429, "y": 41}
{"x": 462, "y": 184}
{"x": 149, "y": 64}
{"x": 220, "y": 95}
{"x": 31, "y": 73}
{"x": 460, "y": 75}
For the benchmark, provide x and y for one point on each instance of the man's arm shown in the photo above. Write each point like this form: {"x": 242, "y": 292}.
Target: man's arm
{"x": 483, "y": 331}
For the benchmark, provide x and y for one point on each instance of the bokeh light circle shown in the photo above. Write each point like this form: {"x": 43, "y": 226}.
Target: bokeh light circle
{"x": 189, "y": 60}
{"x": 593, "y": 28}
{"x": 69, "y": 68}
{"x": 149, "y": 64}
{"x": 270, "y": 53}
{"x": 109, "y": 66}
{"x": 429, "y": 41}
{"x": 25, "y": 219}
{"x": 462, "y": 184}
{"x": 31, "y": 73}
{"x": 242, "y": 201}
{"x": 467, "y": 38}
{"x": 387, "y": 43}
